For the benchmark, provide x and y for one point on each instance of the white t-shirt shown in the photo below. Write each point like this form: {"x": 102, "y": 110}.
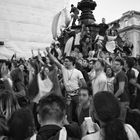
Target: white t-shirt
{"x": 92, "y": 74}
{"x": 77, "y": 39}
{"x": 71, "y": 78}
{"x": 136, "y": 72}
{"x": 96, "y": 83}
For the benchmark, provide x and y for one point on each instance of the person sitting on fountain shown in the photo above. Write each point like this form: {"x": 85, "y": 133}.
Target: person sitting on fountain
{"x": 128, "y": 47}
{"x": 100, "y": 38}
{"x": 86, "y": 41}
{"x": 103, "y": 27}
{"x": 111, "y": 44}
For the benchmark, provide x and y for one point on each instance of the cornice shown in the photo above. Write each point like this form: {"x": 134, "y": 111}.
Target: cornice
{"x": 128, "y": 14}
{"x": 129, "y": 28}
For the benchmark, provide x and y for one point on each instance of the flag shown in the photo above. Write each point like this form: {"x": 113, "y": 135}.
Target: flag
{"x": 68, "y": 46}
{"x": 55, "y": 25}
{"x": 60, "y": 21}
{"x": 67, "y": 17}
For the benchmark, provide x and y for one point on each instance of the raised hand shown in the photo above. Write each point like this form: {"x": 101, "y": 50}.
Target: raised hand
{"x": 48, "y": 49}
{"x": 39, "y": 52}
{"x": 32, "y": 51}
{"x": 45, "y": 53}
{"x": 4, "y": 70}
{"x": 15, "y": 55}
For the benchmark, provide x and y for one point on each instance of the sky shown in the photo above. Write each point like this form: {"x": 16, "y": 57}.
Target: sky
{"x": 112, "y": 9}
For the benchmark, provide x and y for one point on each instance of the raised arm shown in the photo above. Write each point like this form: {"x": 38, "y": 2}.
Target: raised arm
{"x": 53, "y": 59}
{"x": 32, "y": 53}
{"x": 39, "y": 57}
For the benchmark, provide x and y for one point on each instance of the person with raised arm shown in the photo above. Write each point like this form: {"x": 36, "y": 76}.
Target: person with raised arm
{"x": 73, "y": 79}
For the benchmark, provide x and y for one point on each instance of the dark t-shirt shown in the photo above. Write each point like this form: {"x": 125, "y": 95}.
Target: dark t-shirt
{"x": 138, "y": 93}
{"x": 102, "y": 29}
{"x": 84, "y": 113}
{"x": 121, "y": 77}
{"x": 138, "y": 81}
{"x": 131, "y": 75}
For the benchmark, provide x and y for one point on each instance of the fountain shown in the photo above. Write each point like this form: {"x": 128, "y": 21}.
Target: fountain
{"x": 85, "y": 19}
{"x": 86, "y": 7}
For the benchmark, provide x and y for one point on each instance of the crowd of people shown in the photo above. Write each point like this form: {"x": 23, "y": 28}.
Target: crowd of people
{"x": 89, "y": 94}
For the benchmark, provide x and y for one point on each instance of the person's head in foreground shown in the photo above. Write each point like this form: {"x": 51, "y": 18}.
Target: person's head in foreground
{"x": 21, "y": 125}
{"x": 51, "y": 111}
{"x": 8, "y": 104}
{"x": 4, "y": 130}
{"x": 107, "y": 112}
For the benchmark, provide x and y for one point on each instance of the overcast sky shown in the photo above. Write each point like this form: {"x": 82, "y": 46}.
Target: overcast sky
{"x": 112, "y": 9}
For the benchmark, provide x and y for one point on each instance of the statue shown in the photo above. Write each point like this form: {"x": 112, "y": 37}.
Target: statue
{"x": 75, "y": 12}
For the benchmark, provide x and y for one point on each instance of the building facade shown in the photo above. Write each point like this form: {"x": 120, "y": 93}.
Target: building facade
{"x": 130, "y": 29}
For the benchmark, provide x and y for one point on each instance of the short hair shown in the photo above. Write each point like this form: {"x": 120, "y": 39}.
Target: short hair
{"x": 130, "y": 62}
{"x": 72, "y": 5}
{"x": 120, "y": 61}
{"x": 51, "y": 107}
{"x": 71, "y": 59}
{"x": 86, "y": 88}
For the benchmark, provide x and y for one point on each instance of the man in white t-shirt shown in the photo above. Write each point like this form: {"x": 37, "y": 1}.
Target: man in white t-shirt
{"x": 73, "y": 79}
{"x": 99, "y": 83}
